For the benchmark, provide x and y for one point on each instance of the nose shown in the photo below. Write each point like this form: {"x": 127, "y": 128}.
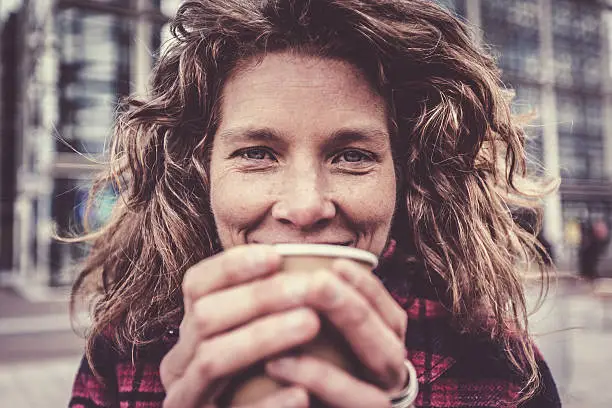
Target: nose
{"x": 304, "y": 203}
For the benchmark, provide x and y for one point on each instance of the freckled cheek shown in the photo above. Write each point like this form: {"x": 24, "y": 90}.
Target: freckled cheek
{"x": 236, "y": 203}
{"x": 371, "y": 202}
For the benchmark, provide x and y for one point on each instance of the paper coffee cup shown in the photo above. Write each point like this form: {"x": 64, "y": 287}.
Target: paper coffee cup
{"x": 253, "y": 384}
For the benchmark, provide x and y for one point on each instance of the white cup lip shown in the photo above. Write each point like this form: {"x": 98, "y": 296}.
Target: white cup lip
{"x": 327, "y": 250}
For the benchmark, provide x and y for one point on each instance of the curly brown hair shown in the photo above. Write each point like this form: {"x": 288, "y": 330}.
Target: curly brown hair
{"x": 458, "y": 151}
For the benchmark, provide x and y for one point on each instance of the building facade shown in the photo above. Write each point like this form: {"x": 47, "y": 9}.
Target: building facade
{"x": 556, "y": 57}
{"x": 78, "y": 59}
{"x": 66, "y": 63}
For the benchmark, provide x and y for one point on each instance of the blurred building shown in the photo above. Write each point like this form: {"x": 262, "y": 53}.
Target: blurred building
{"x": 66, "y": 63}
{"x": 556, "y": 55}
{"x": 9, "y": 52}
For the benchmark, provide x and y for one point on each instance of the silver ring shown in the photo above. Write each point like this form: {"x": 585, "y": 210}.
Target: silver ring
{"x": 407, "y": 396}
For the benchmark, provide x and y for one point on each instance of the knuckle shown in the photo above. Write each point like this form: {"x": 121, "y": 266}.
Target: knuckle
{"x": 325, "y": 286}
{"x": 201, "y": 322}
{"x": 358, "y": 278}
{"x": 358, "y": 315}
{"x": 205, "y": 365}
{"x": 347, "y": 272}
{"x": 230, "y": 266}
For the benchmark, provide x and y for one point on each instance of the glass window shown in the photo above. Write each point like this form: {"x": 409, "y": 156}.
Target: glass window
{"x": 155, "y": 4}
{"x": 122, "y": 3}
{"x": 512, "y": 29}
{"x": 526, "y": 105}
{"x": 569, "y": 113}
{"x": 580, "y": 135}
{"x": 572, "y": 166}
{"x": 94, "y": 74}
{"x": 456, "y": 6}
{"x": 577, "y": 44}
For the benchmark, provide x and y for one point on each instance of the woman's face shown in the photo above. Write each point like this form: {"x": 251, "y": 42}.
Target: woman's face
{"x": 302, "y": 154}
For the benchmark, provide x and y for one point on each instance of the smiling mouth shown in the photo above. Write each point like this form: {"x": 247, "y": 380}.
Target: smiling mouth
{"x": 345, "y": 243}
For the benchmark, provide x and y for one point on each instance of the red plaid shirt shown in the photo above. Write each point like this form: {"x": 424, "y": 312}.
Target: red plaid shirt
{"x": 454, "y": 369}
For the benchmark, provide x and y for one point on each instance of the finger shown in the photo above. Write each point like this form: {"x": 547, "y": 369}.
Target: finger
{"x": 231, "y": 352}
{"x": 187, "y": 393}
{"x": 232, "y": 267}
{"x": 375, "y": 292}
{"x": 265, "y": 337}
{"x": 330, "y": 384}
{"x": 175, "y": 362}
{"x": 290, "y": 397}
{"x": 227, "y": 309}
{"x": 372, "y": 341}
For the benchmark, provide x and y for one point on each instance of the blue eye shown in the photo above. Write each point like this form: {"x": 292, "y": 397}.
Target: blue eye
{"x": 352, "y": 156}
{"x": 256, "y": 153}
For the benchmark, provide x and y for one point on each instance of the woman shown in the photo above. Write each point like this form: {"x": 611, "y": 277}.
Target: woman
{"x": 375, "y": 124}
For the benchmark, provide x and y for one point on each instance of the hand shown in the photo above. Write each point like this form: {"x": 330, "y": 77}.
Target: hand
{"x": 238, "y": 312}
{"x": 221, "y": 334}
{"x": 373, "y": 324}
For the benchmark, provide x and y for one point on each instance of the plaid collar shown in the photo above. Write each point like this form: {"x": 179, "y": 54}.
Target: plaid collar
{"x": 429, "y": 336}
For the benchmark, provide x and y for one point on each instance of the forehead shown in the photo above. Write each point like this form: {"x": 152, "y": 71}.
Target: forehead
{"x": 288, "y": 91}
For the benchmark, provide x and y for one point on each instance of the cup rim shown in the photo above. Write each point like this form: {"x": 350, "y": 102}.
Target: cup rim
{"x": 327, "y": 250}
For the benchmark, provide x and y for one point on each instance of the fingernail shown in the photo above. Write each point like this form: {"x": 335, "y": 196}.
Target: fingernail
{"x": 282, "y": 366}
{"x": 260, "y": 256}
{"x": 295, "y": 399}
{"x": 295, "y": 288}
{"x": 295, "y": 321}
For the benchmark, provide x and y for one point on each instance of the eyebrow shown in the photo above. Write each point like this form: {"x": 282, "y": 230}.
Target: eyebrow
{"x": 344, "y": 136}
{"x": 340, "y": 137}
{"x": 264, "y": 134}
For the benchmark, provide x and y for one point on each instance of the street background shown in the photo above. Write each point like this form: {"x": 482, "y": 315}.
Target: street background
{"x": 64, "y": 65}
